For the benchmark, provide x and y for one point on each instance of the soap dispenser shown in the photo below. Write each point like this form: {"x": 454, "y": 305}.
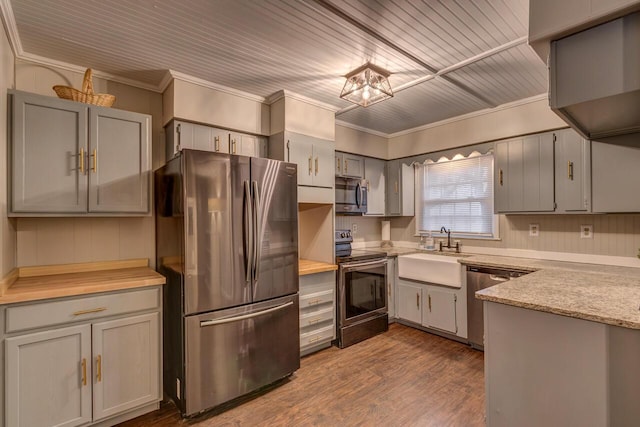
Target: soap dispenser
{"x": 430, "y": 243}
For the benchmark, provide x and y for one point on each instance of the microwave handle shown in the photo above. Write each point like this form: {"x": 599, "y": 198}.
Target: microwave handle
{"x": 358, "y": 195}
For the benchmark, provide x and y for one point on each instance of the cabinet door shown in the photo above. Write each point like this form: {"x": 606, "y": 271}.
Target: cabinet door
{"x": 300, "y": 151}
{"x": 407, "y": 190}
{"x": 48, "y": 378}
{"x": 202, "y": 138}
{"x": 323, "y": 155}
{"x": 244, "y": 145}
{"x": 119, "y": 161}
{"x": 500, "y": 189}
{"x": 126, "y": 360}
{"x": 573, "y": 172}
{"x": 374, "y": 174}
{"x": 409, "y": 302}
{"x": 49, "y": 163}
{"x": 538, "y": 173}
{"x": 615, "y": 174}
{"x": 440, "y": 310}
{"x": 338, "y": 164}
{"x": 393, "y": 188}
{"x": 219, "y": 140}
{"x": 352, "y": 166}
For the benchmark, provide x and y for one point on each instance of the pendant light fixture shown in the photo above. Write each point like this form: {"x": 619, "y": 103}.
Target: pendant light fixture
{"x": 367, "y": 85}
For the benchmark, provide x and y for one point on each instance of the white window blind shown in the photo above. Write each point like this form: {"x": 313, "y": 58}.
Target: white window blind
{"x": 456, "y": 194}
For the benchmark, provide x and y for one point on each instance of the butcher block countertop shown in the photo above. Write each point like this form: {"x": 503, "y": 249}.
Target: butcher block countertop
{"x": 599, "y": 293}
{"x": 55, "y": 281}
{"x": 306, "y": 266}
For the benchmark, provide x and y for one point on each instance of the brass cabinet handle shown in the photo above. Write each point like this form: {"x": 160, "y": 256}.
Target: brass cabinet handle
{"x": 216, "y": 143}
{"x": 396, "y": 187}
{"x": 500, "y": 176}
{"x": 91, "y": 310}
{"x": 99, "y": 368}
{"x": 317, "y": 166}
{"x": 81, "y": 160}
{"x": 313, "y": 321}
{"x": 310, "y": 167}
{"x": 429, "y": 303}
{"x": 338, "y": 163}
{"x": 94, "y": 168}
{"x": 346, "y": 166}
{"x": 570, "y": 170}
{"x": 179, "y": 133}
{"x": 84, "y": 371}
{"x": 312, "y": 340}
{"x": 288, "y": 150}
{"x": 418, "y": 300}
{"x": 314, "y": 302}
{"x": 233, "y": 146}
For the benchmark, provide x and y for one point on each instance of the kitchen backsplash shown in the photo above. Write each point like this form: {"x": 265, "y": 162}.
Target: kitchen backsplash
{"x": 45, "y": 241}
{"x": 613, "y": 234}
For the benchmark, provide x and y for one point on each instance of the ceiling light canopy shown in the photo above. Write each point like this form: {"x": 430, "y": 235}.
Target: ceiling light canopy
{"x": 367, "y": 85}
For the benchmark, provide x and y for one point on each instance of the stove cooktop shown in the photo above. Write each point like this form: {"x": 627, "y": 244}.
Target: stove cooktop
{"x": 358, "y": 255}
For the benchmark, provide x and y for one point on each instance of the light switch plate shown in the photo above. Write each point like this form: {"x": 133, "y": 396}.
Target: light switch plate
{"x": 534, "y": 230}
{"x": 586, "y": 231}
{"x": 354, "y": 228}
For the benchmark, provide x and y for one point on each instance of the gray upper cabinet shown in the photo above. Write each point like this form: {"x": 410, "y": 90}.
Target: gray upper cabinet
{"x": 615, "y": 174}
{"x": 374, "y": 174}
{"x": 572, "y": 172}
{"x": 349, "y": 165}
{"x": 400, "y": 189}
{"x": 524, "y": 174}
{"x": 119, "y": 161}
{"x": 182, "y": 134}
{"x": 49, "y": 143}
{"x": 69, "y": 158}
{"x": 314, "y": 157}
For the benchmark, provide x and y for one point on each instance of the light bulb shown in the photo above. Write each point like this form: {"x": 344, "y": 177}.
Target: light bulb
{"x": 365, "y": 93}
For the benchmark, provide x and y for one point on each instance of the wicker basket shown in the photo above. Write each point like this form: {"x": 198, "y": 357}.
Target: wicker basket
{"x": 85, "y": 95}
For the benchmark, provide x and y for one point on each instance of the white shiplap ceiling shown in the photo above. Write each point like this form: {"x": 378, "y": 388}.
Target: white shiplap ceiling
{"x": 448, "y": 57}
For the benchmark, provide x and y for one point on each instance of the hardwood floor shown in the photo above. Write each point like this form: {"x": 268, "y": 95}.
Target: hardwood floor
{"x": 405, "y": 377}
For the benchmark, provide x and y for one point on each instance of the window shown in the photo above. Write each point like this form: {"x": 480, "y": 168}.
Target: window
{"x": 456, "y": 194}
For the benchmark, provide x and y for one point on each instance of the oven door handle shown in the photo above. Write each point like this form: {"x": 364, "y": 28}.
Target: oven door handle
{"x": 351, "y": 266}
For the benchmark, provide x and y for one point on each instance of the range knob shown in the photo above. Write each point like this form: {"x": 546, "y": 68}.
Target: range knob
{"x": 348, "y": 234}
{"x": 343, "y": 234}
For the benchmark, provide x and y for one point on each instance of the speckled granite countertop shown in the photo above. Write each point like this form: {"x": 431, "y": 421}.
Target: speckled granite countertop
{"x": 600, "y": 293}
{"x": 394, "y": 251}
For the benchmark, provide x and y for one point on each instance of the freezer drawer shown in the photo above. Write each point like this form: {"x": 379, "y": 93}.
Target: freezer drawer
{"x": 235, "y": 351}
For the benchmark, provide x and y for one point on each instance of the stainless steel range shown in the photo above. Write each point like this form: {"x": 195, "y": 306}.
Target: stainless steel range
{"x": 362, "y": 291}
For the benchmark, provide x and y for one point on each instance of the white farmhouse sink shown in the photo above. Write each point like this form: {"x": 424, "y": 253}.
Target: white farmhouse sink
{"x": 430, "y": 268}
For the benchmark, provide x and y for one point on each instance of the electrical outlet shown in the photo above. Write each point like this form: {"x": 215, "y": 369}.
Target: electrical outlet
{"x": 586, "y": 231}
{"x": 534, "y": 230}
{"x": 354, "y": 228}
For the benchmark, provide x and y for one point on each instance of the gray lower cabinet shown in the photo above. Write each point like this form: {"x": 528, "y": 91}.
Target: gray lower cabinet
{"x": 375, "y": 175}
{"x": 92, "y": 366}
{"x": 400, "y": 183}
{"x": 181, "y": 134}
{"x": 439, "y": 309}
{"x": 409, "y": 301}
{"x": 69, "y": 158}
{"x": 317, "y": 311}
{"x": 524, "y": 174}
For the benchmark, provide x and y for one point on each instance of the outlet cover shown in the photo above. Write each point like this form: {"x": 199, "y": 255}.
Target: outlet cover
{"x": 354, "y": 228}
{"x": 586, "y": 231}
{"x": 534, "y": 230}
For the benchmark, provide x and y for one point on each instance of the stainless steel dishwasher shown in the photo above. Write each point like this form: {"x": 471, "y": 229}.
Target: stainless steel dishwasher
{"x": 481, "y": 278}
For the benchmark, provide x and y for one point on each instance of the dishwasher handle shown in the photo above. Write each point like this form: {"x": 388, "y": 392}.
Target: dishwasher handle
{"x": 497, "y": 278}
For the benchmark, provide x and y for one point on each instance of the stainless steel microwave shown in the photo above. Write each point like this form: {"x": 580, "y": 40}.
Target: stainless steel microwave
{"x": 351, "y": 196}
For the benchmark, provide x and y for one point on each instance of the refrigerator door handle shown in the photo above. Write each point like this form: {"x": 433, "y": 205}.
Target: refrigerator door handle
{"x": 244, "y": 316}
{"x": 248, "y": 232}
{"x": 257, "y": 230}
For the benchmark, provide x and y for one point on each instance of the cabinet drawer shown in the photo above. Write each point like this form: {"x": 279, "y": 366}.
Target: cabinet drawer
{"x": 317, "y": 336}
{"x": 315, "y": 317}
{"x": 55, "y": 312}
{"x": 316, "y": 298}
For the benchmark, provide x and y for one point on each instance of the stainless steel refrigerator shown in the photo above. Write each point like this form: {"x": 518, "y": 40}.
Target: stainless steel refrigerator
{"x": 227, "y": 241}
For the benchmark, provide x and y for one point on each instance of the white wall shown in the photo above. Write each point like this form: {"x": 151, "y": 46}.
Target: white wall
{"x": 7, "y": 226}
{"x": 43, "y": 241}
{"x": 499, "y": 123}
{"x": 359, "y": 142}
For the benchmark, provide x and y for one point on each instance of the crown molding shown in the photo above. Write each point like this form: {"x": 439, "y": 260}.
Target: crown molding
{"x": 478, "y": 113}
{"x": 274, "y": 97}
{"x": 210, "y": 85}
{"x": 11, "y": 27}
{"x": 362, "y": 129}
